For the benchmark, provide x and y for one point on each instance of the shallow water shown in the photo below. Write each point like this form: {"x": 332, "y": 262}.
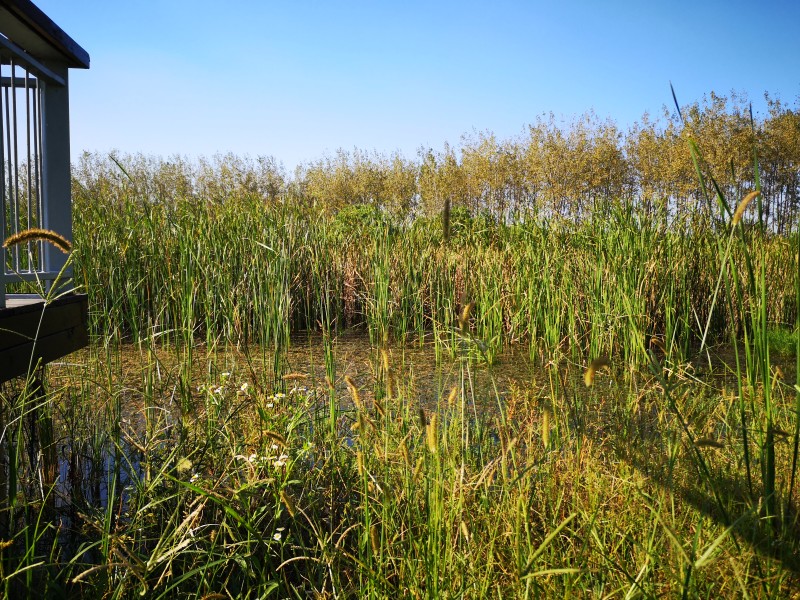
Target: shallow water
{"x": 120, "y": 384}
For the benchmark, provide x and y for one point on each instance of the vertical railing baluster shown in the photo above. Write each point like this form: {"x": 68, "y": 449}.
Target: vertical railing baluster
{"x": 28, "y": 183}
{"x": 15, "y": 166}
{"x": 37, "y": 153}
{"x": 3, "y": 128}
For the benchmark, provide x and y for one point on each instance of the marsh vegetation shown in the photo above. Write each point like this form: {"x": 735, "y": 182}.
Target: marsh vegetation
{"x": 560, "y": 366}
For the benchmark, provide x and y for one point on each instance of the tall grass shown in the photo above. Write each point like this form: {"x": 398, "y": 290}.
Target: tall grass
{"x": 252, "y": 493}
{"x": 193, "y": 465}
{"x": 242, "y": 270}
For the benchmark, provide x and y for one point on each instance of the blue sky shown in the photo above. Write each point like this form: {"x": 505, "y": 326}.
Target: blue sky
{"x": 299, "y": 79}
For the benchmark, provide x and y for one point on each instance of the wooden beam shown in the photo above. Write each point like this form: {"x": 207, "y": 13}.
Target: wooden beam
{"x": 38, "y": 331}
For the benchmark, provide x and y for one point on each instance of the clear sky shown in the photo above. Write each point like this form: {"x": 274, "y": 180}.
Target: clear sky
{"x": 298, "y": 79}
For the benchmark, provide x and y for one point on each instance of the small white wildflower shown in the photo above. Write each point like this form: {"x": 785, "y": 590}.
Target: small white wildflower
{"x": 270, "y": 404}
{"x": 252, "y": 458}
{"x": 219, "y": 390}
{"x": 278, "y": 534}
{"x": 244, "y": 387}
{"x": 274, "y": 446}
{"x": 226, "y": 374}
{"x": 281, "y": 462}
{"x": 280, "y": 395}
{"x": 195, "y": 477}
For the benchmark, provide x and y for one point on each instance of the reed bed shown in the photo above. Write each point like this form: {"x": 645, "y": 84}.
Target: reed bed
{"x": 651, "y": 452}
{"x": 242, "y": 269}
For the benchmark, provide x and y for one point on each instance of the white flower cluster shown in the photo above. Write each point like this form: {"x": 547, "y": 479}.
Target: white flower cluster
{"x": 217, "y": 390}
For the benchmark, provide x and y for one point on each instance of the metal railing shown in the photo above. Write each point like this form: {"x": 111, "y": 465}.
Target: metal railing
{"x": 34, "y": 186}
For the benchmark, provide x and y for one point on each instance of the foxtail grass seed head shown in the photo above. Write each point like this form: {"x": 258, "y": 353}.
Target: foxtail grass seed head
{"x": 708, "y": 443}
{"x": 385, "y": 360}
{"x": 360, "y": 424}
{"x": 294, "y": 376}
{"x": 432, "y": 435}
{"x": 405, "y": 453}
{"x": 288, "y": 502}
{"x": 464, "y": 530}
{"x": 451, "y": 399}
{"x": 360, "y": 463}
{"x": 39, "y": 235}
{"x": 389, "y": 375}
{"x": 375, "y": 538}
{"x": 415, "y": 477}
{"x": 353, "y": 391}
{"x": 594, "y": 366}
{"x": 737, "y": 215}
{"x": 365, "y": 423}
{"x": 275, "y": 437}
{"x": 391, "y": 386}
{"x": 463, "y": 319}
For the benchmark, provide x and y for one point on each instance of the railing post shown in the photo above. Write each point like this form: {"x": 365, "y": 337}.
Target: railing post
{"x": 56, "y": 195}
{"x": 3, "y": 190}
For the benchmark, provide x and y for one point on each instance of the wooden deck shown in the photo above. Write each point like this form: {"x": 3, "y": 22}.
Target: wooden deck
{"x": 31, "y": 331}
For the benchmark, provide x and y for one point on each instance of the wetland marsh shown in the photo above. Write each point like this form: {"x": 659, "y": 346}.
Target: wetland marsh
{"x": 441, "y": 392}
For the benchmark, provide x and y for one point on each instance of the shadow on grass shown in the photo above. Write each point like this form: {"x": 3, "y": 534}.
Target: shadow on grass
{"x": 725, "y": 499}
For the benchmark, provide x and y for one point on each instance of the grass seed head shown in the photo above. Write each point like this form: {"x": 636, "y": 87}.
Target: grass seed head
{"x": 451, "y": 399}
{"x": 379, "y": 408}
{"x": 594, "y": 366}
{"x": 405, "y": 453}
{"x": 385, "y": 360}
{"x": 418, "y": 470}
{"x": 375, "y": 538}
{"x": 737, "y": 215}
{"x": 432, "y": 435}
{"x": 463, "y": 319}
{"x": 39, "y": 235}
{"x": 360, "y": 463}
{"x": 294, "y": 376}
{"x": 464, "y": 530}
{"x": 708, "y": 443}
{"x": 275, "y": 437}
{"x": 353, "y": 391}
{"x": 390, "y": 382}
{"x": 288, "y": 502}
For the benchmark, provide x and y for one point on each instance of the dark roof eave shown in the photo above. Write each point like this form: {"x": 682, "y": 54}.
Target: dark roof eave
{"x": 28, "y": 25}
